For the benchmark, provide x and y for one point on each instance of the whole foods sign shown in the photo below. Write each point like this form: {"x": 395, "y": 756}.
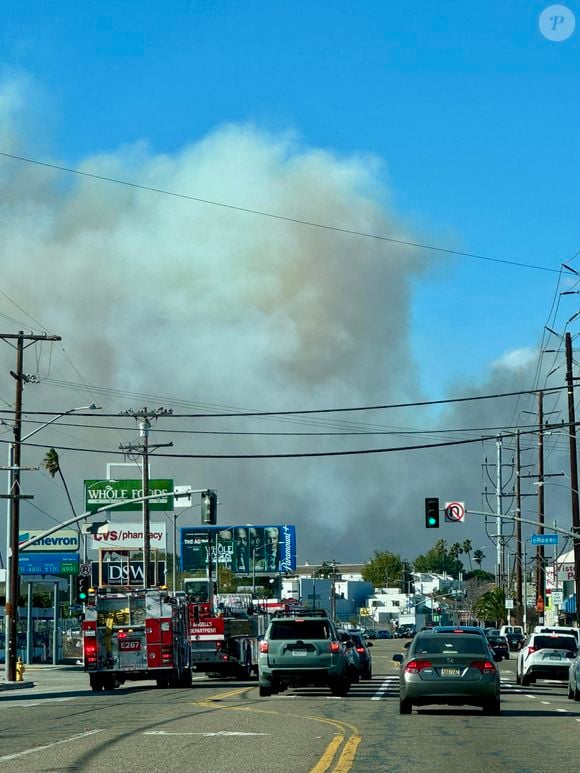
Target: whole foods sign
{"x": 99, "y": 493}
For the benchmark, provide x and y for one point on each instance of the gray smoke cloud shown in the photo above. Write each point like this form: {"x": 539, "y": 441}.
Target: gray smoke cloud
{"x": 165, "y": 301}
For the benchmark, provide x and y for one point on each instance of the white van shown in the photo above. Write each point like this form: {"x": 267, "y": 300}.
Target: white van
{"x": 511, "y": 629}
{"x": 563, "y": 629}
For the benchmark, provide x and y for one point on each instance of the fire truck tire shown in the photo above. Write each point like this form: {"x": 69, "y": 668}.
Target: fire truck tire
{"x": 163, "y": 682}
{"x": 265, "y": 692}
{"x": 245, "y": 669}
{"x": 109, "y": 683}
{"x": 184, "y": 679}
{"x": 96, "y": 682}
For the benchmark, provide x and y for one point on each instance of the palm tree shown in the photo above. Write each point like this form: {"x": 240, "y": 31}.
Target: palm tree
{"x": 479, "y": 557}
{"x": 51, "y": 463}
{"x": 491, "y": 606}
{"x": 467, "y": 548}
{"x": 455, "y": 551}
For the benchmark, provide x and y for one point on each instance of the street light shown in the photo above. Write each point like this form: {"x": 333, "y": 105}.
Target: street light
{"x": 12, "y": 545}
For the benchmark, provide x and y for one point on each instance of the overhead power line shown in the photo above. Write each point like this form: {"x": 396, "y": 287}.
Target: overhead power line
{"x": 310, "y": 411}
{"x": 285, "y": 218}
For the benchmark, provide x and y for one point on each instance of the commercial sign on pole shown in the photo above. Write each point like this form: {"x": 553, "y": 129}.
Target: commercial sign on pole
{"x": 242, "y": 549}
{"x": 64, "y": 540}
{"x": 126, "y": 573}
{"x": 128, "y": 536}
{"x": 566, "y": 572}
{"x": 48, "y": 563}
{"x": 99, "y": 493}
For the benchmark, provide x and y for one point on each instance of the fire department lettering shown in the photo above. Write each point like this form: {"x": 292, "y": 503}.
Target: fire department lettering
{"x": 129, "y": 644}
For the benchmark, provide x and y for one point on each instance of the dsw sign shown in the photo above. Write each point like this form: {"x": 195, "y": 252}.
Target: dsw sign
{"x": 121, "y": 573}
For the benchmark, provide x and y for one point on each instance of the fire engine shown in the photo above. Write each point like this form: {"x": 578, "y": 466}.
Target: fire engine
{"x": 133, "y": 635}
{"x": 223, "y": 631}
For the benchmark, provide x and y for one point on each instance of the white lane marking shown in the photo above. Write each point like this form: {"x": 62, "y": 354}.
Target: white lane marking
{"x": 546, "y": 703}
{"x": 49, "y": 745}
{"x": 207, "y": 735}
{"x": 533, "y": 697}
{"x": 390, "y": 681}
{"x": 563, "y": 711}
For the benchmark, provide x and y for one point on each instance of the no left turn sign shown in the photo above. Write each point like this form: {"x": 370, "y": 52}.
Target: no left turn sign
{"x": 455, "y": 512}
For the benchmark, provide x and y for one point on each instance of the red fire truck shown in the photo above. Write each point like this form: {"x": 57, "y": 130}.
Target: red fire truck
{"x": 136, "y": 634}
{"x": 223, "y": 632}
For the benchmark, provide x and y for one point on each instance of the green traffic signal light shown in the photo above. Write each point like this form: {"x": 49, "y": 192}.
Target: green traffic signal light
{"x": 83, "y": 585}
{"x": 432, "y": 513}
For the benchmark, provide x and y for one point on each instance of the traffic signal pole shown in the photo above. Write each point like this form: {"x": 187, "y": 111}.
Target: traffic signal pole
{"x": 573, "y": 472}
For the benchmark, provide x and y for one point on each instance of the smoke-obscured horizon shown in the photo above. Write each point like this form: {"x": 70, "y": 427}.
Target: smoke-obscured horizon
{"x": 165, "y": 301}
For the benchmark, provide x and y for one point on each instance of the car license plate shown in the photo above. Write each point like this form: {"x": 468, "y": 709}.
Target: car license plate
{"x": 450, "y": 672}
{"x": 299, "y": 652}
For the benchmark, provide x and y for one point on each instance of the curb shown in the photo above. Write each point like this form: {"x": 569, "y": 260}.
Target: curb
{"x": 15, "y": 685}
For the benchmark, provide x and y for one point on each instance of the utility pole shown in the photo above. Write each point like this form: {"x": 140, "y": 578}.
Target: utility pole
{"x": 573, "y": 471}
{"x": 499, "y": 523}
{"x": 15, "y": 495}
{"x": 143, "y": 416}
{"x": 519, "y": 597}
{"x": 540, "y": 568}
{"x": 333, "y": 592}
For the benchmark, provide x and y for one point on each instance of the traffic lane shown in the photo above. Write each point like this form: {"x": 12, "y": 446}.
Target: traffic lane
{"x": 169, "y": 729}
{"x": 528, "y": 735}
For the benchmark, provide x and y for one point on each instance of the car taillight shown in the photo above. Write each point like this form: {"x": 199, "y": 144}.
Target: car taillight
{"x": 90, "y": 647}
{"x": 531, "y": 649}
{"x": 264, "y": 646}
{"x": 360, "y": 649}
{"x": 416, "y": 666}
{"x": 485, "y": 666}
{"x": 334, "y": 646}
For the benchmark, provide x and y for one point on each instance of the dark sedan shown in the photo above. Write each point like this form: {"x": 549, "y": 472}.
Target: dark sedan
{"x": 499, "y": 646}
{"x": 515, "y": 641}
{"x": 364, "y": 653}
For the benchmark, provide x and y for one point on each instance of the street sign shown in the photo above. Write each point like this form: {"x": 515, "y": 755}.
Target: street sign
{"x": 509, "y": 603}
{"x": 557, "y": 598}
{"x": 85, "y": 570}
{"x": 544, "y": 539}
{"x": 454, "y": 512}
{"x": 48, "y": 563}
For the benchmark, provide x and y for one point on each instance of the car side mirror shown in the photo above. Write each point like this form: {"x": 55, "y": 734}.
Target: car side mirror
{"x": 406, "y": 645}
{"x": 398, "y": 657}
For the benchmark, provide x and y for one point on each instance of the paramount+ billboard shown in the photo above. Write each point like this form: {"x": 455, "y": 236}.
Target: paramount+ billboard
{"x": 242, "y": 549}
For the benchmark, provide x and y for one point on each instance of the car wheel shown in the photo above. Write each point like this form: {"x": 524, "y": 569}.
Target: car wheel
{"x": 507, "y": 656}
{"x": 492, "y": 706}
{"x": 340, "y": 687}
{"x": 405, "y": 706}
{"x": 526, "y": 681}
{"x": 570, "y": 692}
{"x": 576, "y": 693}
{"x": 368, "y": 674}
{"x": 264, "y": 692}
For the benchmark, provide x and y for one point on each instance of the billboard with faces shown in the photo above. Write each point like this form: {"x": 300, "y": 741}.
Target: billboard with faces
{"x": 243, "y": 549}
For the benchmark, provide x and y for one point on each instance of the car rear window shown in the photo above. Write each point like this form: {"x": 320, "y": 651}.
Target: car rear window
{"x": 300, "y": 629}
{"x": 554, "y": 642}
{"x": 442, "y": 644}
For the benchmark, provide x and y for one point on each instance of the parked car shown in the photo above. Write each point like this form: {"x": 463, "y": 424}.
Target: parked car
{"x": 489, "y": 632}
{"x": 574, "y": 679}
{"x": 448, "y": 668}
{"x": 384, "y": 634}
{"x": 352, "y": 655}
{"x": 302, "y": 647}
{"x": 545, "y": 656}
{"x": 364, "y": 654}
{"x": 500, "y": 647}
{"x": 505, "y": 629}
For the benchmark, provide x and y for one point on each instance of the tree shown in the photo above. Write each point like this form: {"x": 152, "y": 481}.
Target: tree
{"x": 467, "y": 548}
{"x": 491, "y": 606}
{"x": 479, "y": 557}
{"x": 439, "y": 560}
{"x": 384, "y": 568}
{"x": 455, "y": 551}
{"x": 51, "y": 463}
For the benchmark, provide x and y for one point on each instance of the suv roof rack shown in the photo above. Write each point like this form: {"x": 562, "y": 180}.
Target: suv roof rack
{"x": 300, "y": 612}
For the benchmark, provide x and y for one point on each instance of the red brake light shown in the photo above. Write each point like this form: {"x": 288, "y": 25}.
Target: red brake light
{"x": 90, "y": 647}
{"x": 485, "y": 666}
{"x": 531, "y": 649}
{"x": 416, "y": 666}
{"x": 122, "y": 635}
{"x": 360, "y": 649}
{"x": 334, "y": 646}
{"x": 264, "y": 646}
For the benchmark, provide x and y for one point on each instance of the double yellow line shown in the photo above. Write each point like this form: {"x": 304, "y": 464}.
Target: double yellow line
{"x": 345, "y": 759}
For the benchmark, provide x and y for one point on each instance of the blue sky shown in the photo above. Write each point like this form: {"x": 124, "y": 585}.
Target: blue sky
{"x": 472, "y": 119}
{"x": 472, "y": 111}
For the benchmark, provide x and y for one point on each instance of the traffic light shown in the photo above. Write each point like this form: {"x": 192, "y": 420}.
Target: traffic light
{"x": 209, "y": 507}
{"x": 83, "y": 585}
{"x": 431, "y": 513}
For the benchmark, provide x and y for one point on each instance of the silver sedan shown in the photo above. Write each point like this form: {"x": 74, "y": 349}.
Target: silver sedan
{"x": 451, "y": 668}
{"x": 574, "y": 679}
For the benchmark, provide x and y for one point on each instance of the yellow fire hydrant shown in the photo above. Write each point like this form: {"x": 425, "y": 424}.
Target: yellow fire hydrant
{"x": 20, "y": 669}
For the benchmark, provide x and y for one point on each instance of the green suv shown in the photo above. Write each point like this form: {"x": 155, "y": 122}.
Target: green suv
{"x": 301, "y": 648}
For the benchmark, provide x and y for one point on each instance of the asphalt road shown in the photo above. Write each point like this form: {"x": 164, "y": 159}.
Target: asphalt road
{"x": 220, "y": 726}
